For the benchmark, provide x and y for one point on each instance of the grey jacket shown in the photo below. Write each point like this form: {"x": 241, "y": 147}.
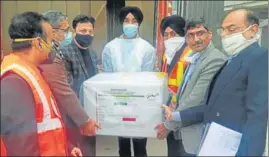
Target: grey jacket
{"x": 208, "y": 64}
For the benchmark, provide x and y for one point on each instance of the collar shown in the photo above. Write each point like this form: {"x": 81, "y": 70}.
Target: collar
{"x": 40, "y": 69}
{"x": 121, "y": 37}
{"x": 193, "y": 57}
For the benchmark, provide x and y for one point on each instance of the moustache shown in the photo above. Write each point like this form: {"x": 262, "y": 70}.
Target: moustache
{"x": 197, "y": 43}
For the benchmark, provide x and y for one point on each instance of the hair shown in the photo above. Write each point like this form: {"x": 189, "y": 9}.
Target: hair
{"x": 54, "y": 18}
{"x": 82, "y": 19}
{"x": 252, "y": 17}
{"x": 24, "y": 26}
{"x": 196, "y": 22}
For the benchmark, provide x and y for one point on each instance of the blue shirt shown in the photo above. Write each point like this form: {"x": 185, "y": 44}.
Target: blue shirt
{"x": 187, "y": 76}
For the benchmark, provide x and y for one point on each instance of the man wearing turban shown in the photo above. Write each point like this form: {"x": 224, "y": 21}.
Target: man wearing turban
{"x": 129, "y": 53}
{"x": 174, "y": 64}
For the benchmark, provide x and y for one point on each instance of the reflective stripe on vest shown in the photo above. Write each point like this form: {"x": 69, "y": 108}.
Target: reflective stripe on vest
{"x": 47, "y": 123}
{"x": 172, "y": 82}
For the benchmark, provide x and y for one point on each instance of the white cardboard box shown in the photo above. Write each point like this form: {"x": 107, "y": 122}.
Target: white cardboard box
{"x": 126, "y": 104}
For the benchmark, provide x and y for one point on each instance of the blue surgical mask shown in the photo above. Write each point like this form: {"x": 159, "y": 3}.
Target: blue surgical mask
{"x": 130, "y": 30}
{"x": 67, "y": 40}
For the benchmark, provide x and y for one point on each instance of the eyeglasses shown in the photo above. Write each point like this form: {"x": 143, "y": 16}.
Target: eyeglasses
{"x": 199, "y": 34}
{"x": 229, "y": 29}
{"x": 63, "y": 30}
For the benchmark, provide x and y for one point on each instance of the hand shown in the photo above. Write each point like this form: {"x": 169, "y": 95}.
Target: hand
{"x": 76, "y": 152}
{"x": 172, "y": 106}
{"x": 168, "y": 112}
{"x": 162, "y": 132}
{"x": 88, "y": 128}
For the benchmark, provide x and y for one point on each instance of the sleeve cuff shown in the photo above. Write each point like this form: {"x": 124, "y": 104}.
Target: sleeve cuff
{"x": 168, "y": 126}
{"x": 176, "y": 116}
{"x": 165, "y": 125}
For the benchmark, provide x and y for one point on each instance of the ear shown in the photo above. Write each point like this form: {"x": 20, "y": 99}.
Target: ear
{"x": 254, "y": 29}
{"x": 210, "y": 33}
{"x": 37, "y": 43}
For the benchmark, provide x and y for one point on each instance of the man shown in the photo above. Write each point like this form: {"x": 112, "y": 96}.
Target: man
{"x": 61, "y": 28}
{"x": 174, "y": 63}
{"x": 72, "y": 111}
{"x": 238, "y": 94}
{"x": 30, "y": 121}
{"x": 81, "y": 64}
{"x": 80, "y": 59}
{"x": 129, "y": 53}
{"x": 176, "y": 49}
{"x": 205, "y": 61}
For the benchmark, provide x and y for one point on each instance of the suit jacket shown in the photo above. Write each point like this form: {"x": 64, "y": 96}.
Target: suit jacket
{"x": 75, "y": 67}
{"x": 64, "y": 95}
{"x": 67, "y": 100}
{"x": 238, "y": 99}
{"x": 77, "y": 73}
{"x": 208, "y": 64}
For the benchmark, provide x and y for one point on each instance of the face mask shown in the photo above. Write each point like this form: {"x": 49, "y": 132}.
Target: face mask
{"x": 171, "y": 46}
{"x": 236, "y": 42}
{"x": 67, "y": 40}
{"x": 52, "y": 53}
{"x": 46, "y": 48}
{"x": 130, "y": 30}
{"x": 83, "y": 41}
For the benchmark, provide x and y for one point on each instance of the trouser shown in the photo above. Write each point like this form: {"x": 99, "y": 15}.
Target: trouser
{"x": 140, "y": 149}
{"x": 87, "y": 144}
{"x": 175, "y": 147}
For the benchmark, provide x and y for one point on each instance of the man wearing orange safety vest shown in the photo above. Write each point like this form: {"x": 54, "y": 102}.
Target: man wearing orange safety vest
{"x": 173, "y": 63}
{"x": 176, "y": 49}
{"x": 31, "y": 124}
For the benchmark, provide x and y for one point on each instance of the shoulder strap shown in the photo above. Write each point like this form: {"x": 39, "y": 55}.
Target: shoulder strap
{"x": 176, "y": 58}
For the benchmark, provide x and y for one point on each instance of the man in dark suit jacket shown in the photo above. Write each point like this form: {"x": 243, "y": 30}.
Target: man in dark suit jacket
{"x": 81, "y": 64}
{"x": 238, "y": 95}
{"x": 80, "y": 59}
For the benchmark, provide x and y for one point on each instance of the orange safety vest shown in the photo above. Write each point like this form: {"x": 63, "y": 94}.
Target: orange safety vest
{"x": 50, "y": 127}
{"x": 176, "y": 76}
{"x": 3, "y": 149}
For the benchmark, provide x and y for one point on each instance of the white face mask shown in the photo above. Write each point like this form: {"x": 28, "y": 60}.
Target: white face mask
{"x": 236, "y": 42}
{"x": 171, "y": 46}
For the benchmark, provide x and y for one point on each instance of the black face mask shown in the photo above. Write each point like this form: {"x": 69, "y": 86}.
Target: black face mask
{"x": 83, "y": 40}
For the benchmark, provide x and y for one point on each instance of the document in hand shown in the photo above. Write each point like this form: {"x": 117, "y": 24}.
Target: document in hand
{"x": 219, "y": 141}
{"x": 126, "y": 104}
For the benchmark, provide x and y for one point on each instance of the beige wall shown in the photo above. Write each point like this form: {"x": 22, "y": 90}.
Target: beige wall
{"x": 96, "y": 9}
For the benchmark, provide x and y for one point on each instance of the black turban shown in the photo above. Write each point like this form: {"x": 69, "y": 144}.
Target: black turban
{"x": 175, "y": 22}
{"x": 137, "y": 13}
